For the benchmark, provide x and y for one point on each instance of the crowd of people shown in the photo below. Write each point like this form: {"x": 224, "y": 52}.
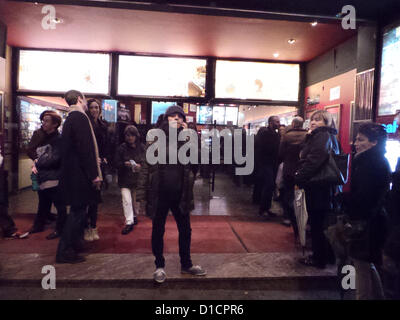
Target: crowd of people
{"x": 69, "y": 169}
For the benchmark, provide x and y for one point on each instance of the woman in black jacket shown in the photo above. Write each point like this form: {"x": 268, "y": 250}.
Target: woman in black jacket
{"x": 100, "y": 128}
{"x": 370, "y": 181}
{"x": 320, "y": 142}
{"x": 129, "y": 159}
{"x": 47, "y": 166}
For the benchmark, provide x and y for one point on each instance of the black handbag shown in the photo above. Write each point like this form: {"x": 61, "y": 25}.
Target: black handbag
{"x": 334, "y": 171}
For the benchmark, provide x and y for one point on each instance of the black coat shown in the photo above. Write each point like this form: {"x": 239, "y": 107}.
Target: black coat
{"x": 266, "y": 148}
{"x": 319, "y": 143}
{"x": 39, "y": 139}
{"x": 291, "y": 144}
{"x": 370, "y": 180}
{"x": 100, "y": 129}
{"x": 126, "y": 177}
{"x": 49, "y": 163}
{"x": 79, "y": 163}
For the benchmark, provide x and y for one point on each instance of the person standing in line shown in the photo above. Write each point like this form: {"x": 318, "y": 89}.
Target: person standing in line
{"x": 80, "y": 177}
{"x": 289, "y": 150}
{"x": 266, "y": 148}
{"x": 168, "y": 188}
{"x": 7, "y": 224}
{"x": 47, "y": 167}
{"x": 128, "y": 160}
{"x": 40, "y": 138}
{"x": 370, "y": 182}
{"x": 319, "y": 143}
{"x": 100, "y": 128}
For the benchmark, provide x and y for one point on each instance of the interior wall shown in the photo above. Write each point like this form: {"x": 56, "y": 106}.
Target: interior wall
{"x": 261, "y": 113}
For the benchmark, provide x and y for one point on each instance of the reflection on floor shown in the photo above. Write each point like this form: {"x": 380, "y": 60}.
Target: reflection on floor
{"x": 224, "y": 221}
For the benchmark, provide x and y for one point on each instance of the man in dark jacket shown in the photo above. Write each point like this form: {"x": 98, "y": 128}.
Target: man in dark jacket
{"x": 169, "y": 188}
{"x": 47, "y": 167}
{"x": 80, "y": 176}
{"x": 266, "y": 148}
{"x": 291, "y": 144}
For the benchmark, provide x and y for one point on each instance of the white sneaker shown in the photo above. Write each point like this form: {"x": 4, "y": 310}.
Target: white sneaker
{"x": 95, "y": 234}
{"x": 88, "y": 235}
{"x": 194, "y": 271}
{"x": 159, "y": 275}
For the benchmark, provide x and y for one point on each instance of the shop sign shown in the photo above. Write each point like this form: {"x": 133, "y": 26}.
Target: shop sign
{"x": 391, "y": 127}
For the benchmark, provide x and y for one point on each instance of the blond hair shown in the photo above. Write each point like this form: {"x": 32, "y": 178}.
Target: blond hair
{"x": 326, "y": 116}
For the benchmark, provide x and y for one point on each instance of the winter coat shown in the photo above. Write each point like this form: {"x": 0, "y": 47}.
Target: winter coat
{"x": 126, "y": 177}
{"x": 370, "y": 180}
{"x": 151, "y": 184}
{"x": 291, "y": 144}
{"x": 318, "y": 144}
{"x": 266, "y": 148}
{"x": 100, "y": 129}
{"x": 79, "y": 163}
{"x": 39, "y": 139}
{"x": 49, "y": 163}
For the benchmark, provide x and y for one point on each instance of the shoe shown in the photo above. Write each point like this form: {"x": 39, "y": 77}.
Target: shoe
{"x": 88, "y": 235}
{"x": 128, "y": 228}
{"x": 53, "y": 235}
{"x": 51, "y": 217}
{"x": 286, "y": 222}
{"x": 310, "y": 262}
{"x": 36, "y": 229}
{"x": 194, "y": 271}
{"x": 95, "y": 234}
{"x": 271, "y": 214}
{"x": 17, "y": 235}
{"x": 70, "y": 259}
{"x": 159, "y": 275}
{"x": 135, "y": 222}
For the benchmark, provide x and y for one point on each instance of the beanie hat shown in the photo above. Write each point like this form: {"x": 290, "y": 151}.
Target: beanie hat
{"x": 175, "y": 109}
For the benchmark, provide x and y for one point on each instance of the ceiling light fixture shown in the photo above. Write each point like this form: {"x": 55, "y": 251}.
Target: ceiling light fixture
{"x": 276, "y": 54}
{"x": 58, "y": 20}
{"x": 314, "y": 23}
{"x": 291, "y": 41}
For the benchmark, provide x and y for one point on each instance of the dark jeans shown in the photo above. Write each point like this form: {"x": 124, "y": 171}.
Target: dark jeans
{"x": 268, "y": 187}
{"x": 92, "y": 216}
{"x": 72, "y": 234}
{"x": 6, "y": 222}
{"x": 46, "y": 198}
{"x": 287, "y": 204}
{"x": 166, "y": 202}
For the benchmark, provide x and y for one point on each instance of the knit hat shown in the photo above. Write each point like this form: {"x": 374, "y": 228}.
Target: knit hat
{"x": 173, "y": 110}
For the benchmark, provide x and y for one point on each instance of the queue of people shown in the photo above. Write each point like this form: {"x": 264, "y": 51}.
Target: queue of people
{"x": 70, "y": 167}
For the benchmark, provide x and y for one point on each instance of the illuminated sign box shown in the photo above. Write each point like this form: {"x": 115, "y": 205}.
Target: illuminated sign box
{"x": 161, "y": 76}
{"x": 257, "y": 80}
{"x": 389, "y": 93}
{"x": 54, "y": 71}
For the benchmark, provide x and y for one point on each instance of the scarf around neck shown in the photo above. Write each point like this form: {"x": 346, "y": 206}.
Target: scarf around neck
{"x": 96, "y": 149}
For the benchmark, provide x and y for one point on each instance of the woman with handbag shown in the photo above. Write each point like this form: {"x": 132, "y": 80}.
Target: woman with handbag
{"x": 370, "y": 181}
{"x": 314, "y": 175}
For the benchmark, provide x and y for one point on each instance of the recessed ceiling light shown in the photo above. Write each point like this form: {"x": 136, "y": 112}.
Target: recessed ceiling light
{"x": 314, "y": 23}
{"x": 276, "y": 54}
{"x": 292, "y": 41}
{"x": 58, "y": 20}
